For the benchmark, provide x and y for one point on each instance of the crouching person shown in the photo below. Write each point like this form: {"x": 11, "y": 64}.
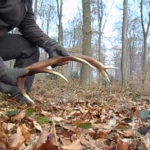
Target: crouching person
{"x": 23, "y": 48}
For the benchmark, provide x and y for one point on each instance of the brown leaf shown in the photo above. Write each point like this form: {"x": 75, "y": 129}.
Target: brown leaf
{"x": 37, "y": 126}
{"x": 43, "y": 138}
{"x": 147, "y": 143}
{"x": 25, "y": 132}
{"x": 121, "y": 145}
{"x": 3, "y": 140}
{"x": 30, "y": 147}
{"x": 46, "y": 113}
{"x": 19, "y": 116}
{"x": 103, "y": 133}
{"x": 65, "y": 141}
{"x": 77, "y": 122}
{"x": 57, "y": 119}
{"x": 122, "y": 126}
{"x": 129, "y": 134}
{"x": 53, "y": 132}
{"x": 76, "y": 145}
{"x": 48, "y": 141}
{"x": 16, "y": 140}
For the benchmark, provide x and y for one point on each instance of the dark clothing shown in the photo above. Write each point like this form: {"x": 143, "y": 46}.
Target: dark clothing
{"x": 19, "y": 13}
{"x": 14, "y": 46}
{"x": 23, "y": 48}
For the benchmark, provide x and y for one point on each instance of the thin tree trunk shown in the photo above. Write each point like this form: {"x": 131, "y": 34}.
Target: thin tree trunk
{"x": 124, "y": 43}
{"x": 100, "y": 18}
{"x": 60, "y": 26}
{"x": 86, "y": 43}
{"x": 35, "y": 8}
{"x": 145, "y": 34}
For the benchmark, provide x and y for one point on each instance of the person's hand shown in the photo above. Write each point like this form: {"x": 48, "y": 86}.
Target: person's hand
{"x": 56, "y": 50}
{"x": 9, "y": 76}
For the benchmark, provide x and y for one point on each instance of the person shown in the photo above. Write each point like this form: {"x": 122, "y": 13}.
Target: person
{"x": 23, "y": 48}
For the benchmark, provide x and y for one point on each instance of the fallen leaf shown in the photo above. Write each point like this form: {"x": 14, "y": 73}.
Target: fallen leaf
{"x": 53, "y": 132}
{"x": 121, "y": 145}
{"x": 46, "y": 142}
{"x": 16, "y": 140}
{"x": 46, "y": 113}
{"x": 112, "y": 122}
{"x": 129, "y": 133}
{"x": 37, "y": 126}
{"x": 101, "y": 133}
{"x": 25, "y": 132}
{"x": 57, "y": 119}
{"x": 76, "y": 145}
{"x": 19, "y": 116}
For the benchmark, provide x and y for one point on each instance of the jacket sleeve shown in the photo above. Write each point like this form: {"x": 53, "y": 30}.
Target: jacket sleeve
{"x": 32, "y": 31}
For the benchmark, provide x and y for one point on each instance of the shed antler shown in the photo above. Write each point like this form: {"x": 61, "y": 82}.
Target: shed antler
{"x": 41, "y": 67}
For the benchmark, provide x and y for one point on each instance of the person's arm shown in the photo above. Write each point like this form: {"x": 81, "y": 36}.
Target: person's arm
{"x": 34, "y": 34}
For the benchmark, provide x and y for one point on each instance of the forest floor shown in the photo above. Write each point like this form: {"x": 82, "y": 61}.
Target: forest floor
{"x": 71, "y": 117}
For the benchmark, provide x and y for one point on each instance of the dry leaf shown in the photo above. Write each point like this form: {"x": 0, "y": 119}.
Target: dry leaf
{"x": 76, "y": 145}
{"x": 37, "y": 126}
{"x": 46, "y": 142}
{"x": 103, "y": 133}
{"x": 16, "y": 140}
{"x": 25, "y": 132}
{"x": 147, "y": 143}
{"x": 121, "y": 145}
{"x": 43, "y": 138}
{"x": 57, "y": 119}
{"x": 19, "y": 116}
{"x": 46, "y": 113}
{"x": 129, "y": 133}
{"x": 53, "y": 132}
{"x": 3, "y": 140}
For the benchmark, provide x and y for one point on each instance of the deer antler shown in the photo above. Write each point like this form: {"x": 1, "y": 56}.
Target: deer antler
{"x": 41, "y": 67}
{"x": 102, "y": 68}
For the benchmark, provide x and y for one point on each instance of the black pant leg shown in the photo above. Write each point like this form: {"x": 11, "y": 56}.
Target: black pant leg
{"x": 17, "y": 47}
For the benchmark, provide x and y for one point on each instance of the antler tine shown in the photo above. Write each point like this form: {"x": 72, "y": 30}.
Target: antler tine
{"x": 46, "y": 70}
{"x": 20, "y": 83}
{"x": 98, "y": 65}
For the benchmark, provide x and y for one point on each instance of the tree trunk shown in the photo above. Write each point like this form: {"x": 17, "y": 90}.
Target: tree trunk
{"x": 35, "y": 9}
{"x": 124, "y": 43}
{"x": 100, "y": 18}
{"x": 145, "y": 34}
{"x": 60, "y": 26}
{"x": 86, "y": 42}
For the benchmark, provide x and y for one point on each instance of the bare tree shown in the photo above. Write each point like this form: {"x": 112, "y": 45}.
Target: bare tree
{"x": 60, "y": 26}
{"x": 35, "y": 8}
{"x": 124, "y": 43}
{"x": 145, "y": 36}
{"x": 86, "y": 43}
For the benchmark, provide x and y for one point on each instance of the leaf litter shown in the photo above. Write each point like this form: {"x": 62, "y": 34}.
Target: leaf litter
{"x": 70, "y": 117}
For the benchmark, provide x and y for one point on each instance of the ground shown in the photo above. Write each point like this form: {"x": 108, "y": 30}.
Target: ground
{"x": 71, "y": 117}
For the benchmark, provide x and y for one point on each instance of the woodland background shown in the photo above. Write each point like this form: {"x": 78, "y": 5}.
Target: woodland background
{"x": 100, "y": 116}
{"x": 127, "y": 48}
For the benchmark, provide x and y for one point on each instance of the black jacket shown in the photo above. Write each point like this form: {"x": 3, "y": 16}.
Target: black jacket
{"x": 19, "y": 13}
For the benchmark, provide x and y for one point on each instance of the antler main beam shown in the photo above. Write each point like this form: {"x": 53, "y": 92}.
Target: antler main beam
{"x": 41, "y": 67}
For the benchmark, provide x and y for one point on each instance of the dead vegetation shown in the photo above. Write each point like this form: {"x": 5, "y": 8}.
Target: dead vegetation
{"x": 70, "y": 117}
